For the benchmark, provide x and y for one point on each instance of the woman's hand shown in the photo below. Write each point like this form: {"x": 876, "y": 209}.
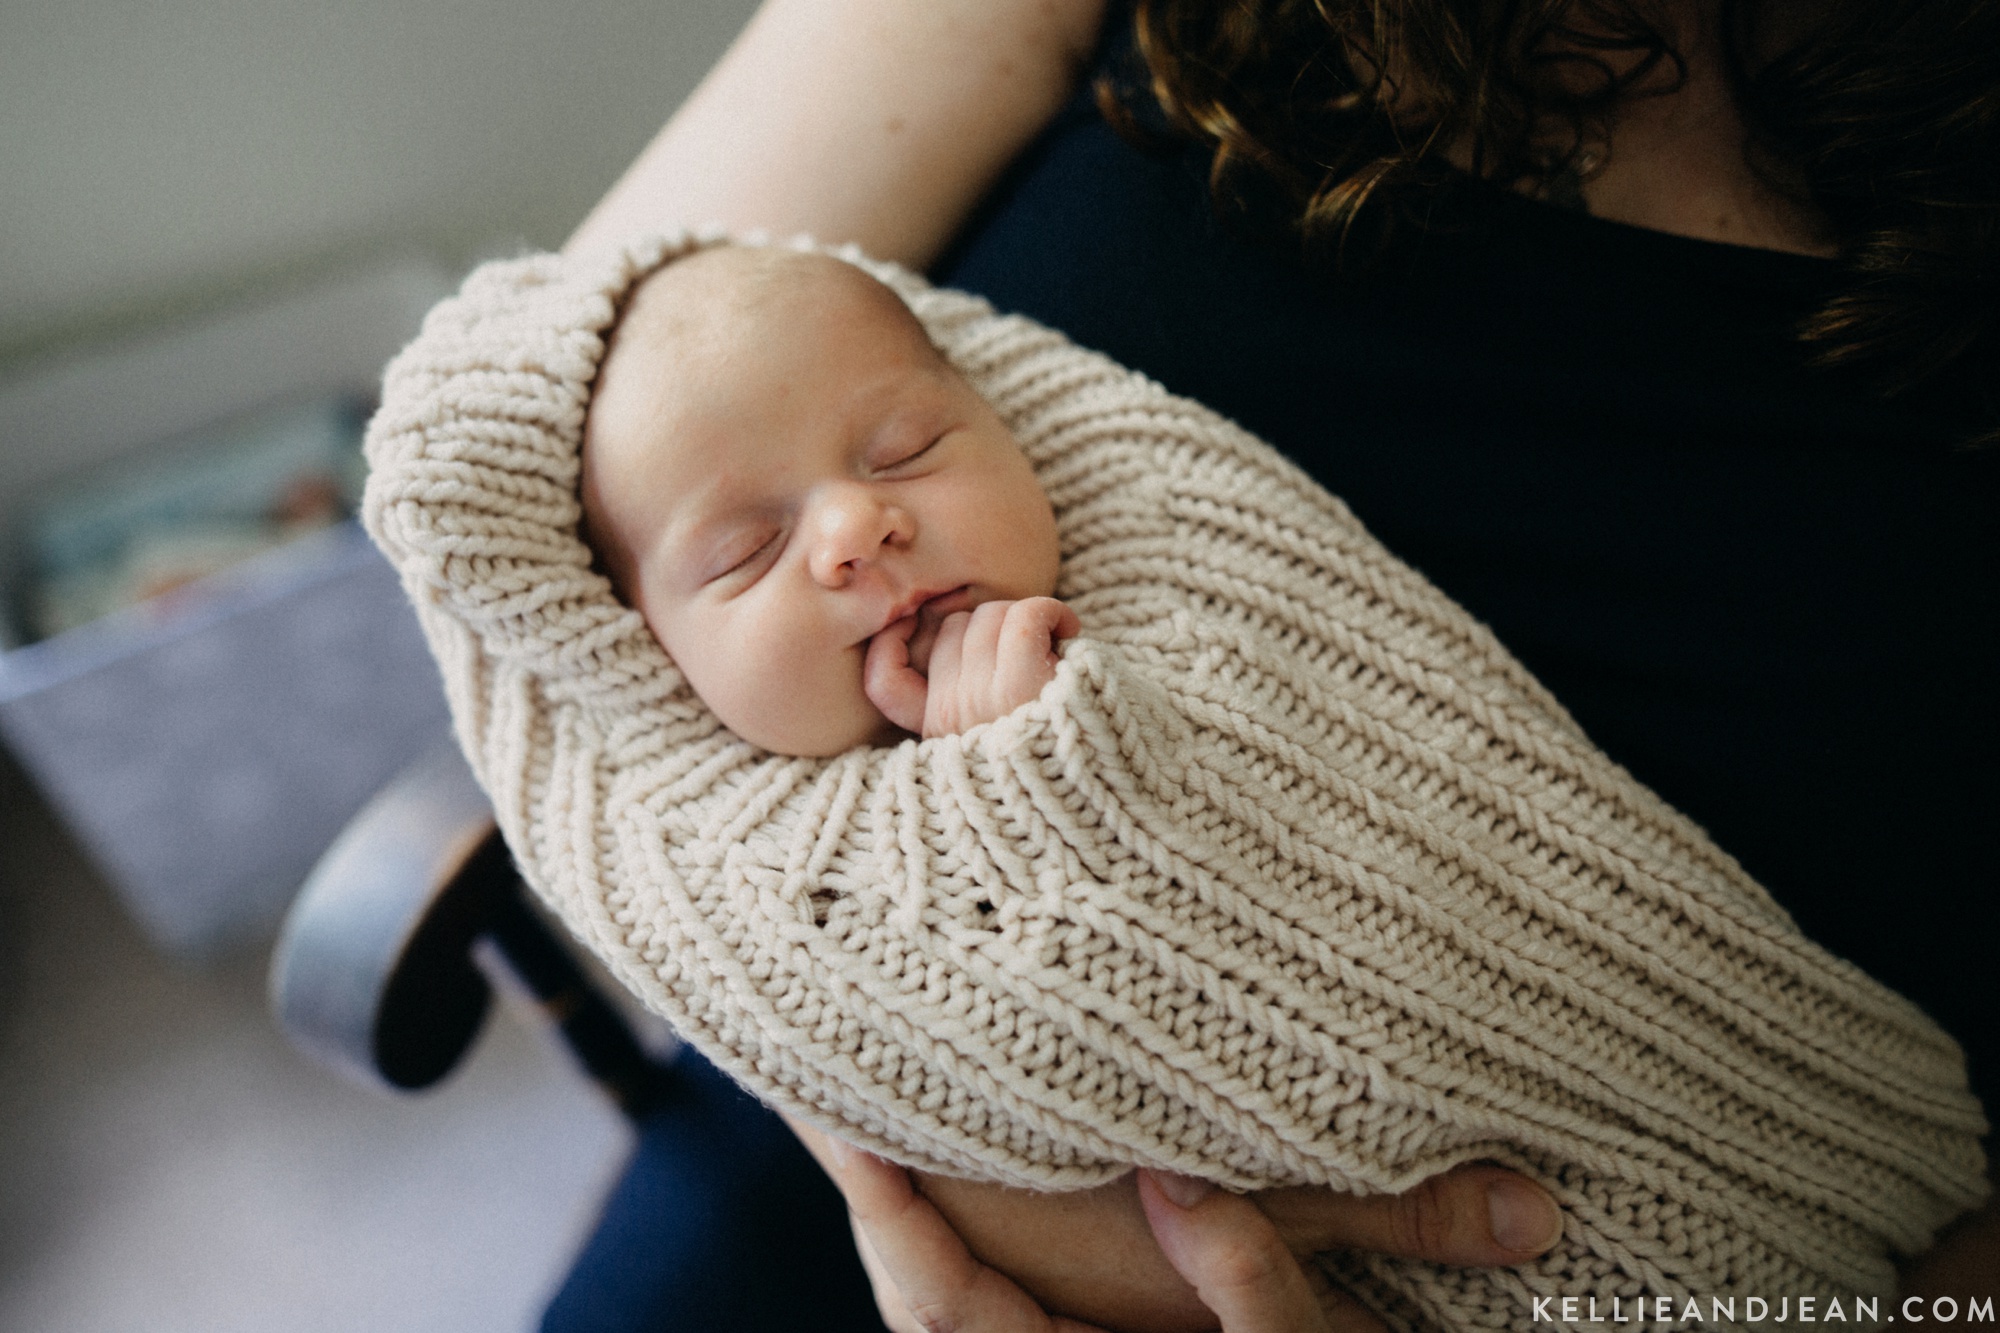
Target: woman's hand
{"x": 1239, "y": 1265}
{"x": 1128, "y": 1256}
{"x": 1230, "y": 1255}
{"x": 1474, "y": 1216}
{"x": 924, "y": 1277}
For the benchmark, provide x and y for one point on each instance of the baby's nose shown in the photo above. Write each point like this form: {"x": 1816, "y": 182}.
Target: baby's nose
{"x": 852, "y": 524}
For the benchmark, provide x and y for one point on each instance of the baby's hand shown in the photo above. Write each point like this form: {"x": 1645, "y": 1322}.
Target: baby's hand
{"x": 986, "y": 663}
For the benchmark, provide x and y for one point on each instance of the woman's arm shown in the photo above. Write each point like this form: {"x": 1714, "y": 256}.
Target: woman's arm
{"x": 876, "y": 121}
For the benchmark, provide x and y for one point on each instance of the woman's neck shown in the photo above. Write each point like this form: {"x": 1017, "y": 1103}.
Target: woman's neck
{"x": 1677, "y": 161}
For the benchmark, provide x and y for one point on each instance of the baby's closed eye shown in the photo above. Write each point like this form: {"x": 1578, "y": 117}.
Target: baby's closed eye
{"x": 908, "y": 438}
{"x": 912, "y": 453}
{"x": 743, "y": 554}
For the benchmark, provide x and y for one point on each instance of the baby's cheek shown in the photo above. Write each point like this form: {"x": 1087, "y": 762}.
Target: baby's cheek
{"x": 735, "y": 682}
{"x": 778, "y": 681}
{"x": 813, "y": 712}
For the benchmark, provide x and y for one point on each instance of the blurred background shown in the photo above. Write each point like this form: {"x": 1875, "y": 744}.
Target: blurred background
{"x": 218, "y": 219}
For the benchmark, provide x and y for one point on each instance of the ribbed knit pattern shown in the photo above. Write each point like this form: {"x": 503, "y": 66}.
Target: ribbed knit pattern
{"x": 1292, "y": 876}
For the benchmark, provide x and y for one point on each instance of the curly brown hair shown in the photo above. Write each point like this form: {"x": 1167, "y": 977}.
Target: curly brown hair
{"x": 1883, "y": 119}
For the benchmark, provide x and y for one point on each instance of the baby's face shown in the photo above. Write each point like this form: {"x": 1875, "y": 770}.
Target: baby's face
{"x": 777, "y": 466}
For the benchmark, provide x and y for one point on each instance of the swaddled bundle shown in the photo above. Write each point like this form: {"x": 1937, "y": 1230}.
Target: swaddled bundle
{"x": 1291, "y": 876}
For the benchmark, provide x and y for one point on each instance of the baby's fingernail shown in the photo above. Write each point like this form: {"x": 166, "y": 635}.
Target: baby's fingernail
{"x": 1524, "y": 1219}
{"x": 1182, "y": 1191}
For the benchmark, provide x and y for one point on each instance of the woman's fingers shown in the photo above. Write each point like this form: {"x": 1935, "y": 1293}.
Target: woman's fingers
{"x": 920, "y": 1256}
{"x": 1473, "y": 1215}
{"x": 896, "y": 1316}
{"x": 1238, "y": 1263}
{"x": 909, "y": 1247}
{"x": 1239, "y": 1255}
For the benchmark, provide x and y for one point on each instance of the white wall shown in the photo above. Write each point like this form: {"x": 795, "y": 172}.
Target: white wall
{"x": 152, "y": 151}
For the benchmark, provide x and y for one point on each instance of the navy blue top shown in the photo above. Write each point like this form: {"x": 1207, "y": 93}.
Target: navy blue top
{"x": 1773, "y": 599}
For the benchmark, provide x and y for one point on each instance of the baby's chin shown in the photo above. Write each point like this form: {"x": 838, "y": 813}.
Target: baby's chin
{"x": 862, "y": 727}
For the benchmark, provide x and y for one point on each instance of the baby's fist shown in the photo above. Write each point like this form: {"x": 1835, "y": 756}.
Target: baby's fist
{"x": 989, "y": 661}
{"x": 986, "y": 663}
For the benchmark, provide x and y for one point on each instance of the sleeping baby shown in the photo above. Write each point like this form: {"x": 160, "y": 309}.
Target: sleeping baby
{"x": 1252, "y": 857}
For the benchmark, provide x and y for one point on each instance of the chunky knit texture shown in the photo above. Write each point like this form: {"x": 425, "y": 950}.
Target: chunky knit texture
{"x": 1293, "y": 875}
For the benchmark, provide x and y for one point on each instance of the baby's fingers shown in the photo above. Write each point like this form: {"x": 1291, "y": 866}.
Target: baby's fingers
{"x": 991, "y": 660}
{"x": 1041, "y": 620}
{"x": 948, "y": 656}
{"x": 1026, "y": 657}
{"x": 888, "y": 679}
{"x": 983, "y": 630}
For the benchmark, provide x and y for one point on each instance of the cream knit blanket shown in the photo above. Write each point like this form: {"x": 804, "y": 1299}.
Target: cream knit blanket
{"x": 1291, "y": 876}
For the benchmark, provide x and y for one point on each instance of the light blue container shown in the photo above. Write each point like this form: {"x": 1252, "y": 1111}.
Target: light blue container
{"x": 204, "y": 749}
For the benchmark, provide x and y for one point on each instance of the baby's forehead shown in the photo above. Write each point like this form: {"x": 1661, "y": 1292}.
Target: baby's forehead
{"x": 713, "y": 297}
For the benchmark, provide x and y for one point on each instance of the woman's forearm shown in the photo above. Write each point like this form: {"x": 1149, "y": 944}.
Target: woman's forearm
{"x": 881, "y": 122}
